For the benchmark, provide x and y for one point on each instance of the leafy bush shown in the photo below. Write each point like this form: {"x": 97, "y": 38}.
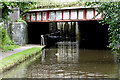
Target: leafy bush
{"x": 5, "y": 42}
{"x": 21, "y": 20}
{"x": 6, "y": 39}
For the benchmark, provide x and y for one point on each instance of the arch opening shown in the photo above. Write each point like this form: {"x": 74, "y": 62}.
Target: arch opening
{"x": 93, "y": 35}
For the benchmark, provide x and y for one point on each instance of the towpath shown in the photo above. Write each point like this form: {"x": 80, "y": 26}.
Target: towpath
{"x": 20, "y": 49}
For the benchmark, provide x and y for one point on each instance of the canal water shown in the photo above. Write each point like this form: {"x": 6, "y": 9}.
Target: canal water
{"x": 66, "y": 60}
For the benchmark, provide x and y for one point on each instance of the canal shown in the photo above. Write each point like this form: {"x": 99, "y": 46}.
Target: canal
{"x": 66, "y": 60}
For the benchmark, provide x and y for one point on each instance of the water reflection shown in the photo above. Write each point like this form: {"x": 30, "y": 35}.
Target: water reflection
{"x": 43, "y": 56}
{"x": 68, "y": 61}
{"x": 67, "y": 52}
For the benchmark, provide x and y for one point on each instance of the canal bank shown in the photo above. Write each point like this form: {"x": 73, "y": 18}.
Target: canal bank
{"x": 19, "y": 55}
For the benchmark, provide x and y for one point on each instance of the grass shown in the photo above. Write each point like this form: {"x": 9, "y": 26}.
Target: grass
{"x": 9, "y": 61}
{"x": 8, "y": 47}
{"x": 25, "y": 64}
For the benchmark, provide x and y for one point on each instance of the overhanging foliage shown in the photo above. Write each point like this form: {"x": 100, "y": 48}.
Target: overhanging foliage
{"x": 111, "y": 16}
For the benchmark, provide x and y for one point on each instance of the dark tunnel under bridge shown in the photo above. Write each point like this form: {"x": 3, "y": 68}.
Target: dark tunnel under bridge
{"x": 92, "y": 35}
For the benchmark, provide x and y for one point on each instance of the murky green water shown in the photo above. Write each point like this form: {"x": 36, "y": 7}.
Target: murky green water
{"x": 67, "y": 61}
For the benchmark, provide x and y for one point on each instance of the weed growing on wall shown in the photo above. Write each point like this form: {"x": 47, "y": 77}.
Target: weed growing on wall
{"x": 5, "y": 41}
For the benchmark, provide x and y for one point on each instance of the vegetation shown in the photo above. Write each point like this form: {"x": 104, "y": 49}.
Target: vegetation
{"x": 23, "y": 6}
{"x": 21, "y": 20}
{"x": 111, "y": 16}
{"x": 54, "y": 4}
{"x": 5, "y": 42}
{"x": 9, "y": 61}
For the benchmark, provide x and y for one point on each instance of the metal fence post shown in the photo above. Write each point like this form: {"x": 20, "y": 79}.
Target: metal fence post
{"x": 42, "y": 40}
